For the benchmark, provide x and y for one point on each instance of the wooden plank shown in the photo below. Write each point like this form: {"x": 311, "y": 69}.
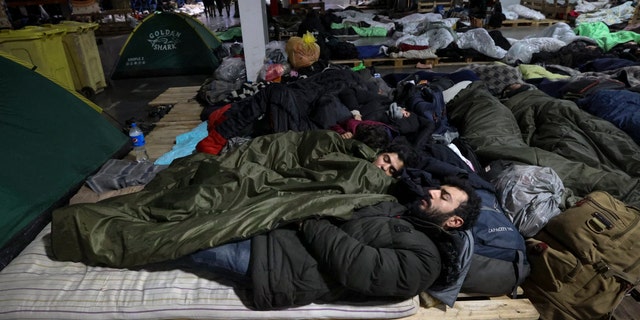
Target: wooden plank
{"x": 175, "y": 95}
{"x": 428, "y": 6}
{"x": 516, "y": 309}
{"x": 187, "y": 89}
{"x": 387, "y": 62}
{"x": 182, "y": 117}
{"x": 479, "y": 307}
{"x": 529, "y": 23}
{"x": 182, "y": 112}
{"x": 352, "y": 62}
{"x": 399, "y": 62}
{"x": 162, "y": 139}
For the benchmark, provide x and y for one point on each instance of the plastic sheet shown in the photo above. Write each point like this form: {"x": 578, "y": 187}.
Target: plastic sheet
{"x": 416, "y": 23}
{"x": 522, "y": 51}
{"x": 437, "y": 35}
{"x": 275, "y": 52}
{"x": 480, "y": 40}
{"x": 611, "y": 16}
{"x": 530, "y": 196}
{"x": 524, "y": 12}
{"x": 550, "y": 39}
{"x": 231, "y": 69}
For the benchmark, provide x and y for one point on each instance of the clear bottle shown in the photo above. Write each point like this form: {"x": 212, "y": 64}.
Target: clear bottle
{"x": 137, "y": 139}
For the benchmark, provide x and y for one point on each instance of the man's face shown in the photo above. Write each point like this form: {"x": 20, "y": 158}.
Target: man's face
{"x": 439, "y": 204}
{"x": 389, "y": 163}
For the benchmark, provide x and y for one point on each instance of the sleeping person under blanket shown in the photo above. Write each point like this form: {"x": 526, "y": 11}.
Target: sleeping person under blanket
{"x": 304, "y": 189}
{"x": 263, "y": 184}
{"x": 385, "y": 250}
{"x": 318, "y": 102}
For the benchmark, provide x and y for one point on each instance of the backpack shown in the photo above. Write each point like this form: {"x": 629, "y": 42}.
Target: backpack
{"x": 498, "y": 264}
{"x": 585, "y": 260}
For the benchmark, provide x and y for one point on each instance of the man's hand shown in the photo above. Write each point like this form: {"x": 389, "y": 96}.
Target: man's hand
{"x": 347, "y": 135}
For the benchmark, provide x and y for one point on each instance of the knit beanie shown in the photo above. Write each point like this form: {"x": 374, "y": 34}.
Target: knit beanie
{"x": 395, "y": 111}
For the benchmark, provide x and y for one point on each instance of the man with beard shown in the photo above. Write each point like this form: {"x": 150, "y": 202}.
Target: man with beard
{"x": 452, "y": 206}
{"x": 386, "y": 251}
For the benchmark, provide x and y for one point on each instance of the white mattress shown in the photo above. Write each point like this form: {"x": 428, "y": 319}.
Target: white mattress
{"x": 33, "y": 286}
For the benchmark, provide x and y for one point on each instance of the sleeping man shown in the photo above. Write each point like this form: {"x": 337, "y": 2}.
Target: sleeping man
{"x": 314, "y": 207}
{"x": 385, "y": 251}
{"x": 204, "y": 200}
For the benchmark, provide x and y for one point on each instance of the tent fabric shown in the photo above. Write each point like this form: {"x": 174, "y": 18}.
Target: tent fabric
{"x": 168, "y": 44}
{"x": 52, "y": 139}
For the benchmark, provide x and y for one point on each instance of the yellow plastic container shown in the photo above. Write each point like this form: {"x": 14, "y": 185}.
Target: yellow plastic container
{"x": 82, "y": 54}
{"x": 41, "y": 47}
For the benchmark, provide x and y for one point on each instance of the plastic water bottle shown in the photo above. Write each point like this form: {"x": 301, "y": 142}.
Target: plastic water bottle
{"x": 137, "y": 139}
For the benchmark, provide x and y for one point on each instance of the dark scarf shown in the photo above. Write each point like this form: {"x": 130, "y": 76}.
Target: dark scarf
{"x": 447, "y": 247}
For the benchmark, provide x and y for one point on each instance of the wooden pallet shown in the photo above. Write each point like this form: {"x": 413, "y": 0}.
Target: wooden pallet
{"x": 175, "y": 95}
{"x": 529, "y": 23}
{"x": 183, "y": 116}
{"x": 426, "y": 6}
{"x": 386, "y": 62}
{"x": 399, "y": 63}
{"x": 481, "y": 308}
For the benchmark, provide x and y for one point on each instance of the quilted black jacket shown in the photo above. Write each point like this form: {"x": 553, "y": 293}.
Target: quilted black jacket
{"x": 377, "y": 255}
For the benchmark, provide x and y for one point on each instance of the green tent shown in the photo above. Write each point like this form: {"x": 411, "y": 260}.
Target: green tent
{"x": 168, "y": 44}
{"x": 53, "y": 139}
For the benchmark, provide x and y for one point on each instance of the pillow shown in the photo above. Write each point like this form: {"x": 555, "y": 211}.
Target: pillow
{"x": 497, "y": 76}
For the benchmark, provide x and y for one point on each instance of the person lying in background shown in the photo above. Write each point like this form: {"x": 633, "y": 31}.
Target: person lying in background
{"x": 375, "y": 134}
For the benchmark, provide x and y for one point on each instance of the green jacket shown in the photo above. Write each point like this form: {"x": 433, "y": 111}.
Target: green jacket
{"x": 588, "y": 153}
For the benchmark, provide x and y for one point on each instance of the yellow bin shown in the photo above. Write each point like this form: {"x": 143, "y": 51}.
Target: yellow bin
{"x": 41, "y": 47}
{"x": 83, "y": 56}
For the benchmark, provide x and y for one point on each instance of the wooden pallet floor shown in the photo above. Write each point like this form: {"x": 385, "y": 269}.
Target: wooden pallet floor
{"x": 400, "y": 63}
{"x": 183, "y": 116}
{"x": 481, "y": 308}
{"x": 529, "y": 23}
{"x": 386, "y": 62}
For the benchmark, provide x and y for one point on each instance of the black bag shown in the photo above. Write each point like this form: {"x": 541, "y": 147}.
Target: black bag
{"x": 499, "y": 264}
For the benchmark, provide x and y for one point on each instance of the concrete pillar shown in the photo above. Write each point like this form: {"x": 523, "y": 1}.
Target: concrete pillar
{"x": 255, "y": 35}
